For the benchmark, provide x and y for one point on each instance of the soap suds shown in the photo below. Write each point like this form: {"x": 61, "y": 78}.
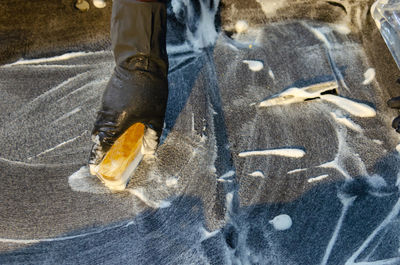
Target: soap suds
{"x": 56, "y": 239}
{"x": 171, "y": 182}
{"x": 369, "y": 76}
{"x": 205, "y": 234}
{"x": 295, "y": 94}
{"x": 150, "y": 143}
{"x": 83, "y": 181}
{"x": 271, "y": 74}
{"x": 257, "y": 173}
{"x": 67, "y": 115}
{"x": 346, "y": 122}
{"x": 351, "y": 106}
{"x": 270, "y": 7}
{"x": 378, "y": 141}
{"x": 254, "y": 66}
{"x": 139, "y": 193}
{"x": 287, "y": 152}
{"x": 99, "y": 3}
{"x": 63, "y": 57}
{"x": 334, "y": 164}
{"x": 347, "y": 202}
{"x": 59, "y": 145}
{"x": 229, "y": 202}
{"x": 297, "y": 170}
{"x": 389, "y": 219}
{"x": 341, "y": 28}
{"x": 282, "y": 222}
{"x": 241, "y": 26}
{"x": 317, "y": 179}
{"x": 319, "y": 33}
{"x": 227, "y": 176}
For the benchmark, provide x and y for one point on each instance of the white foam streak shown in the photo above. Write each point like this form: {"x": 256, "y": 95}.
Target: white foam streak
{"x": 257, "y": 174}
{"x": 297, "y": 170}
{"x": 317, "y": 179}
{"x": 99, "y": 82}
{"x": 60, "y": 145}
{"x": 228, "y": 174}
{"x": 67, "y": 115}
{"x": 50, "y": 66}
{"x": 254, "y": 66}
{"x": 334, "y": 164}
{"x": 354, "y": 108}
{"x": 391, "y": 216}
{"x": 319, "y": 33}
{"x": 63, "y": 57}
{"x": 346, "y": 122}
{"x": 271, "y": 74}
{"x": 393, "y": 261}
{"x": 55, "y": 239}
{"x": 287, "y": 152}
{"x": 295, "y": 94}
{"x": 347, "y": 202}
{"x": 20, "y": 163}
{"x": 229, "y": 202}
{"x": 206, "y": 234}
{"x": 369, "y": 76}
{"x": 69, "y": 80}
{"x": 226, "y": 177}
{"x": 141, "y": 196}
{"x": 341, "y": 28}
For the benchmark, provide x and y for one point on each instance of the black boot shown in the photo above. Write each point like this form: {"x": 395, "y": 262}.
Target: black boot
{"x": 138, "y": 88}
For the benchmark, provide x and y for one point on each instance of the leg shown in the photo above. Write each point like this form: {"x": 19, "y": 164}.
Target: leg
{"x": 138, "y": 88}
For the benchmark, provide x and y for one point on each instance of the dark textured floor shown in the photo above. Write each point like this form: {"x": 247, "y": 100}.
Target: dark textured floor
{"x": 200, "y": 201}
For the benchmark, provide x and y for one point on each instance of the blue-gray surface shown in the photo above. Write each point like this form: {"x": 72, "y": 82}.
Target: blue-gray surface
{"x": 199, "y": 201}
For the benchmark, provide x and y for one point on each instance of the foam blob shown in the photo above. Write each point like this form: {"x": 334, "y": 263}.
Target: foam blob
{"x": 281, "y": 222}
{"x": 83, "y": 181}
{"x": 241, "y": 26}
{"x": 99, "y": 3}
{"x": 171, "y": 182}
{"x": 254, "y": 66}
{"x": 369, "y": 76}
{"x": 257, "y": 174}
{"x": 398, "y": 148}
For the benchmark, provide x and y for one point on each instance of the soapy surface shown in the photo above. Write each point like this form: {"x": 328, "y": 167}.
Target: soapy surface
{"x": 313, "y": 161}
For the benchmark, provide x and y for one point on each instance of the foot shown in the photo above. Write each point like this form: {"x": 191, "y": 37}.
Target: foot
{"x": 138, "y": 89}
